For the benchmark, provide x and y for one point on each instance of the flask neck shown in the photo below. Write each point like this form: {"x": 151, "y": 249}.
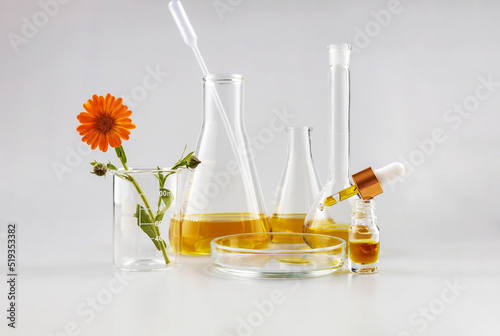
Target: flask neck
{"x": 339, "y": 168}
{"x": 229, "y": 88}
{"x": 227, "y": 180}
{"x": 299, "y": 144}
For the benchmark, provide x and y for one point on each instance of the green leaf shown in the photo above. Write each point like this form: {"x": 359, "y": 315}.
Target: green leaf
{"x": 146, "y": 225}
{"x": 160, "y": 177}
{"x": 159, "y": 215}
{"x": 167, "y": 197}
{"x": 110, "y": 166}
{"x": 183, "y": 162}
{"x": 94, "y": 163}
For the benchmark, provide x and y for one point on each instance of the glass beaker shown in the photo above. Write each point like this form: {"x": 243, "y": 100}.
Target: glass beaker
{"x": 298, "y": 188}
{"x": 335, "y": 220}
{"x": 144, "y": 203}
{"x": 223, "y": 195}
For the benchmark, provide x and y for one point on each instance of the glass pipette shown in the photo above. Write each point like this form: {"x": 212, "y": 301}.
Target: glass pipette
{"x": 191, "y": 39}
{"x": 367, "y": 183}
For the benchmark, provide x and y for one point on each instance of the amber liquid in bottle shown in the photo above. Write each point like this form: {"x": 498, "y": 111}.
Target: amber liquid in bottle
{"x": 287, "y": 223}
{"x": 197, "y": 231}
{"x": 363, "y": 251}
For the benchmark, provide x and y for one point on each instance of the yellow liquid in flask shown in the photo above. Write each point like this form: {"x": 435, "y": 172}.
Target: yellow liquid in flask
{"x": 330, "y": 228}
{"x": 287, "y": 223}
{"x": 197, "y": 231}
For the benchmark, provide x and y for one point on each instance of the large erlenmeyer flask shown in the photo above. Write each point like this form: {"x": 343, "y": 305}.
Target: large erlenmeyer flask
{"x": 223, "y": 195}
{"x": 335, "y": 220}
{"x": 299, "y": 186}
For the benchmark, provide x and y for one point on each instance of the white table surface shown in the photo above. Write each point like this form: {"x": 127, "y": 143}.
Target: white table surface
{"x": 435, "y": 288}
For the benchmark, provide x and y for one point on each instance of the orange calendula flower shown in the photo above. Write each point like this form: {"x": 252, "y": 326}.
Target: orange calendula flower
{"x": 105, "y": 122}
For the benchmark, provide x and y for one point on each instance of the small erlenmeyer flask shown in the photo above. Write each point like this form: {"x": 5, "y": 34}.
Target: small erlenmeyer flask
{"x": 223, "y": 194}
{"x": 299, "y": 186}
{"x": 335, "y": 220}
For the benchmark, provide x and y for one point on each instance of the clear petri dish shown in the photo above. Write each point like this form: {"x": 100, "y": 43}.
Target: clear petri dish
{"x": 278, "y": 255}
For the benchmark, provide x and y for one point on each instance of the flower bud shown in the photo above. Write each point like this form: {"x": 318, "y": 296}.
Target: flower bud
{"x": 192, "y": 162}
{"x": 100, "y": 169}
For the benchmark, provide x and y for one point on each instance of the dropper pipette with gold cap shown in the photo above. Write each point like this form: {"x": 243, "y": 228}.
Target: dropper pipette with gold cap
{"x": 368, "y": 183}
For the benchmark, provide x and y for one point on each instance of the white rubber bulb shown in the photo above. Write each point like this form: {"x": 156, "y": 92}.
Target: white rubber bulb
{"x": 182, "y": 21}
{"x": 390, "y": 173}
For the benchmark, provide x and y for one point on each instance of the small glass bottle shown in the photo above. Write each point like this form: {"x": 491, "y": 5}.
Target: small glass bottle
{"x": 298, "y": 188}
{"x": 364, "y": 238}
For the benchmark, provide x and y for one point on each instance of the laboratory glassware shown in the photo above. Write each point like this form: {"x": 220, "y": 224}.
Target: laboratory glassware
{"x": 255, "y": 255}
{"x": 223, "y": 194}
{"x": 364, "y": 238}
{"x": 368, "y": 183}
{"x": 335, "y": 220}
{"x": 144, "y": 205}
{"x": 298, "y": 188}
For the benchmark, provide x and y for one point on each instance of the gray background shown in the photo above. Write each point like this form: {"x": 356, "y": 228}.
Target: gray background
{"x": 414, "y": 67}
{"x": 405, "y": 77}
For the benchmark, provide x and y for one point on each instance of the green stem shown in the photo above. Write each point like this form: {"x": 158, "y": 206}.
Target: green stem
{"x": 148, "y": 208}
{"x": 162, "y": 185}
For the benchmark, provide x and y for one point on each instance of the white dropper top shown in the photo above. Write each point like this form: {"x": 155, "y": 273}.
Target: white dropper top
{"x": 389, "y": 173}
{"x": 368, "y": 182}
{"x": 190, "y": 38}
{"x": 371, "y": 182}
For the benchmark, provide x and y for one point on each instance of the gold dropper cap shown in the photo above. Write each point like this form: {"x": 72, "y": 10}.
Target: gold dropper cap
{"x": 368, "y": 184}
